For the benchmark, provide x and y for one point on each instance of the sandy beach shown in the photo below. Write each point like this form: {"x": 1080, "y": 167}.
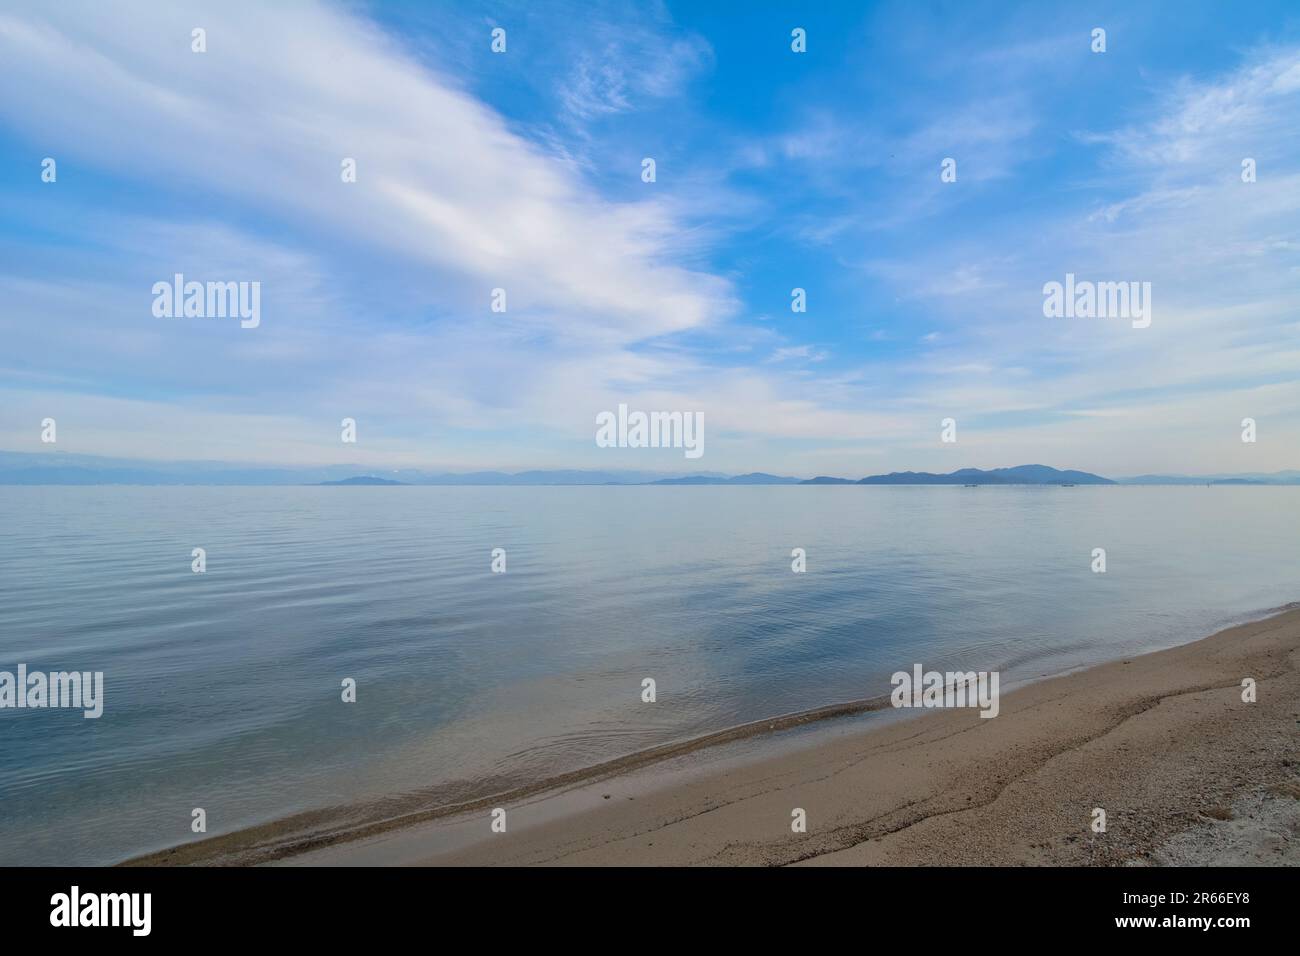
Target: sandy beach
{"x": 1185, "y": 770}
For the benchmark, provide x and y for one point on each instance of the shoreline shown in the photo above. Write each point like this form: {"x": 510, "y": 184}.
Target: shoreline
{"x": 312, "y": 829}
{"x": 567, "y": 810}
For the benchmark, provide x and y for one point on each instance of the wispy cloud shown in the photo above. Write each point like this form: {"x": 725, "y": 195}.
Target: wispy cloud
{"x": 265, "y": 119}
{"x": 618, "y": 69}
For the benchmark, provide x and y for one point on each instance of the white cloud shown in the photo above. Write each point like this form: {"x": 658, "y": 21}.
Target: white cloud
{"x": 1243, "y": 114}
{"x": 285, "y": 92}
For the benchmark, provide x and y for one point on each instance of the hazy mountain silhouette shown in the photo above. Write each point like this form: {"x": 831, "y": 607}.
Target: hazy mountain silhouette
{"x": 1019, "y": 475}
{"x": 65, "y": 468}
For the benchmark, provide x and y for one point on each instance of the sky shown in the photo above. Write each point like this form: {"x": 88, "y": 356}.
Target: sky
{"x": 774, "y": 170}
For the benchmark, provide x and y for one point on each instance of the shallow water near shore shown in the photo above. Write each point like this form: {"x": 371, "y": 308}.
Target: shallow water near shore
{"x": 222, "y": 689}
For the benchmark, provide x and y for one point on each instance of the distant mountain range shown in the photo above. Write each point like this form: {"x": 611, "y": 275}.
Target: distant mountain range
{"x": 62, "y": 468}
{"x": 69, "y": 468}
{"x": 1271, "y": 478}
{"x": 1020, "y": 475}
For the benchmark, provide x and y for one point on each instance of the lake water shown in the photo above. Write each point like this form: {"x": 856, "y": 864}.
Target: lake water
{"x": 222, "y": 689}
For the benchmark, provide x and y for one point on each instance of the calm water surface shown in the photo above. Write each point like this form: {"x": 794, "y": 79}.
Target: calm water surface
{"x": 222, "y": 690}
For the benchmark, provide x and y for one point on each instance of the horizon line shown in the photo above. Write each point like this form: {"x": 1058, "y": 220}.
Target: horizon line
{"x": 89, "y": 469}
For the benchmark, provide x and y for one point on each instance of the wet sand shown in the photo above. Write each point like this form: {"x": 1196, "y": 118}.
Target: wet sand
{"x": 1185, "y": 771}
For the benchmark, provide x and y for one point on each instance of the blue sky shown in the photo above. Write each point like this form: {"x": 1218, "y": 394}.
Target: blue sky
{"x": 775, "y": 170}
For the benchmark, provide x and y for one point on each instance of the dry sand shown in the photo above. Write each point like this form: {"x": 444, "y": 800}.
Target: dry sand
{"x": 1186, "y": 772}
